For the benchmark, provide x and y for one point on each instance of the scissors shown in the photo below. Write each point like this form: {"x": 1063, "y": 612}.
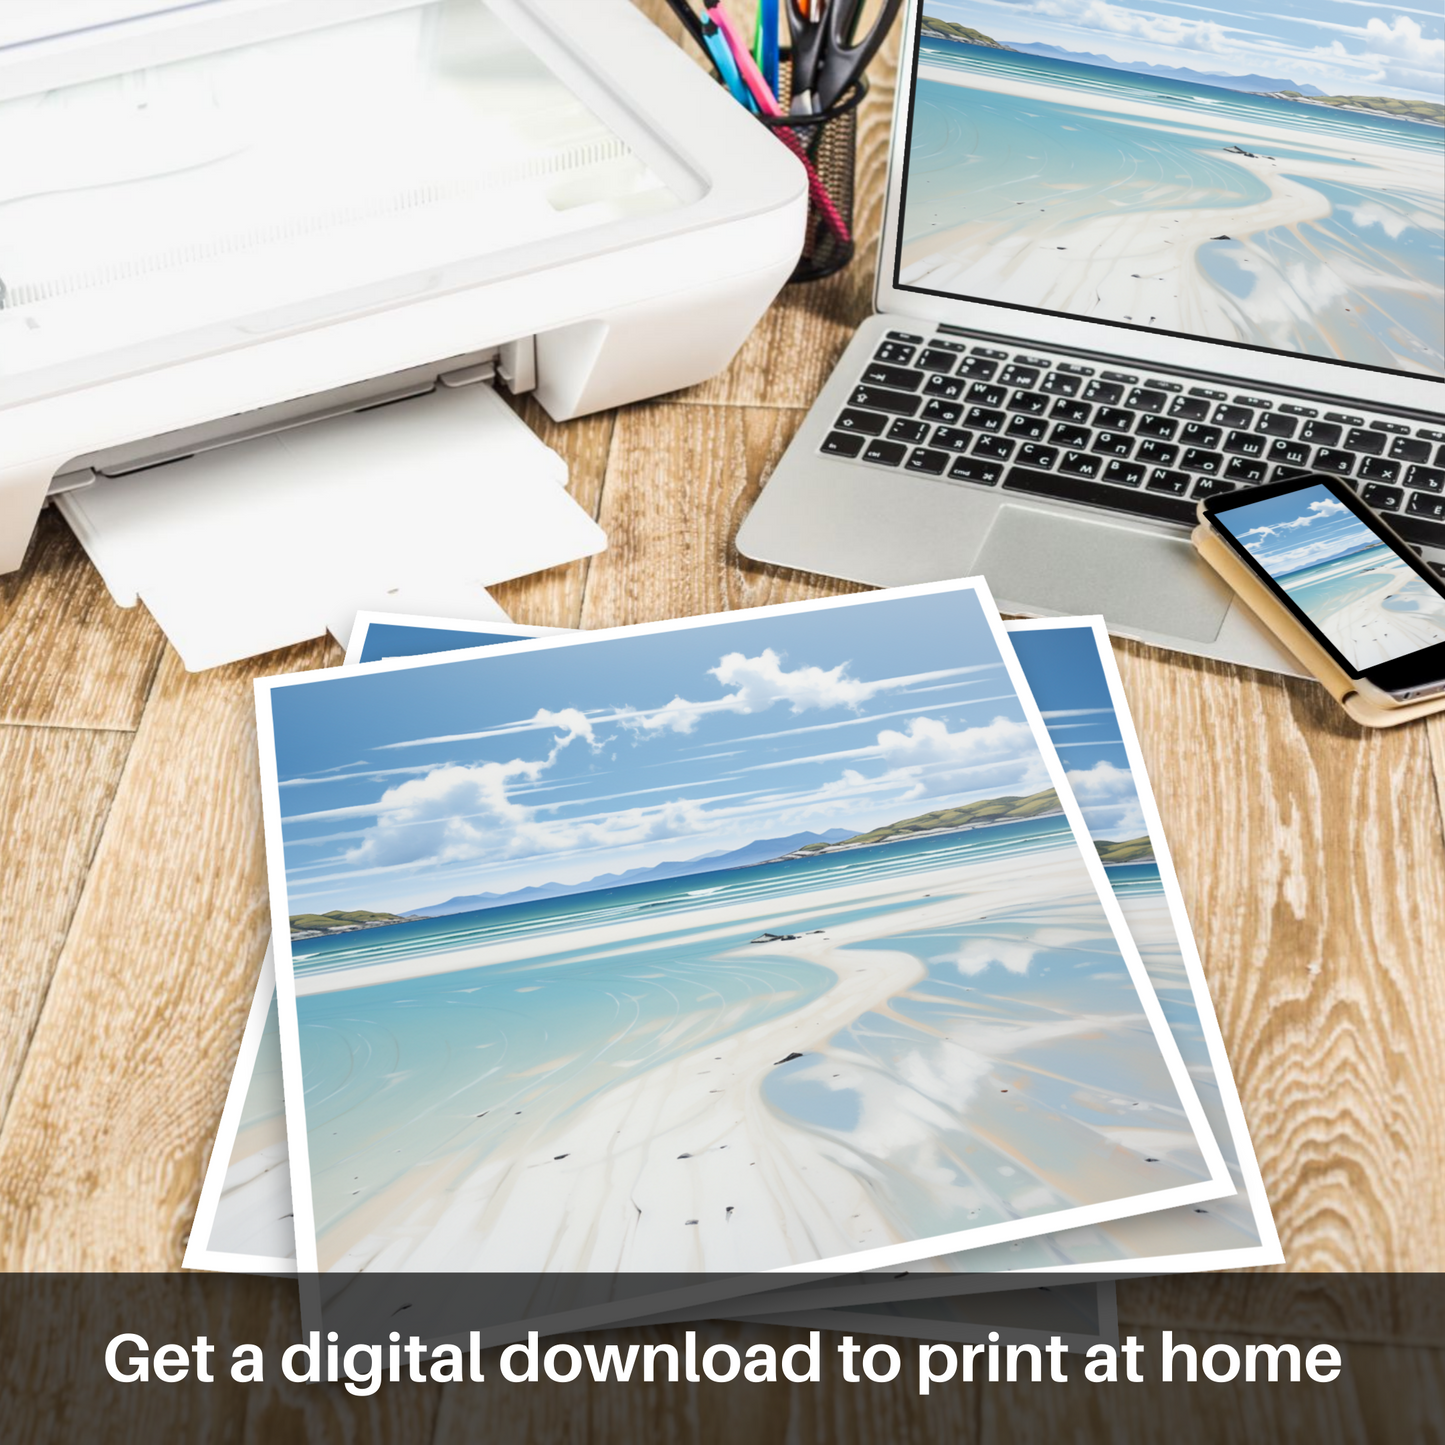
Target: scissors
{"x": 827, "y": 54}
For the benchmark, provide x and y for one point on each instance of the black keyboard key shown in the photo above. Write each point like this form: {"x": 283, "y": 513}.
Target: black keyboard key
{"x": 1430, "y": 434}
{"x": 1381, "y": 498}
{"x": 905, "y": 430}
{"x": 973, "y": 469}
{"x": 1419, "y": 530}
{"x": 1344, "y": 418}
{"x": 924, "y": 459}
{"x": 1107, "y": 392}
{"x": 994, "y": 352}
{"x": 1272, "y": 424}
{"x": 976, "y": 368}
{"x": 1015, "y": 375}
{"x": 1128, "y": 378}
{"x": 1322, "y": 433}
{"x": 982, "y": 419}
{"x": 1081, "y": 464}
{"x": 867, "y": 422}
{"x": 895, "y": 353}
{"x": 1195, "y": 435}
{"x": 1208, "y": 394}
{"x": 1371, "y": 443}
{"x": 955, "y": 439}
{"x": 981, "y": 394}
{"x": 877, "y": 398}
{"x": 1113, "y": 418}
{"x": 1144, "y": 398}
{"x": 1070, "y": 436}
{"x": 1245, "y": 469}
{"x": 1426, "y": 479}
{"x": 1291, "y": 454}
{"x": 1073, "y": 488}
{"x": 1163, "y": 480}
{"x": 1059, "y": 383}
{"x": 1210, "y": 487}
{"x": 945, "y": 411}
{"x": 1156, "y": 454}
{"x": 1245, "y": 444}
{"x": 843, "y": 444}
{"x": 950, "y": 388}
{"x": 1075, "y": 411}
{"x": 1157, "y": 426}
{"x": 1407, "y": 449}
{"x": 1440, "y": 457}
{"x": 1394, "y": 427}
{"x": 1189, "y": 408}
{"x": 877, "y": 374}
{"x": 932, "y": 359}
{"x": 996, "y": 448}
{"x": 905, "y": 336}
{"x": 1124, "y": 474}
{"x": 1422, "y": 504}
{"x": 1235, "y": 416}
{"x": 1330, "y": 459}
{"x": 1036, "y": 456}
{"x": 1112, "y": 444}
{"x": 1377, "y": 469}
{"x": 1196, "y": 459}
{"x": 886, "y": 454}
{"x": 1289, "y": 474}
{"x": 1032, "y": 428}
{"x": 1035, "y": 403}
{"x": 957, "y": 347}
{"x": 1293, "y": 410}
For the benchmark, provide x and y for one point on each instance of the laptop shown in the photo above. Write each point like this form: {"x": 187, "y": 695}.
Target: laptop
{"x": 1118, "y": 273}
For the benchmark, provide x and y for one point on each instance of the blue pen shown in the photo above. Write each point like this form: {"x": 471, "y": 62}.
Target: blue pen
{"x": 768, "y": 29}
{"x": 727, "y": 67}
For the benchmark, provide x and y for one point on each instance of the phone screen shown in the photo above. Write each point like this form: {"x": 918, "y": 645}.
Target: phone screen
{"x": 1370, "y": 601}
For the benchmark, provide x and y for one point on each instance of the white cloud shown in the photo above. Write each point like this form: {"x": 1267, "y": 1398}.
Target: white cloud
{"x": 1109, "y": 801}
{"x": 932, "y": 760}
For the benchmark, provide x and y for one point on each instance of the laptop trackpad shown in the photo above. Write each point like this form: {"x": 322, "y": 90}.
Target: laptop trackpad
{"x": 1073, "y": 565}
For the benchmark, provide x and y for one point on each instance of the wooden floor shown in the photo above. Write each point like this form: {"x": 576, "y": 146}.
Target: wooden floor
{"x": 133, "y": 914}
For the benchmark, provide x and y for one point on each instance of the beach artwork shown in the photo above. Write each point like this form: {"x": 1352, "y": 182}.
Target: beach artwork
{"x": 1273, "y": 178}
{"x": 756, "y": 942}
{"x": 1370, "y": 604}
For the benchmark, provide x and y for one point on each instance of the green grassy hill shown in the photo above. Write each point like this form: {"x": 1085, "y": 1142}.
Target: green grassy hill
{"x": 966, "y": 34}
{"x": 1126, "y": 850}
{"x": 991, "y": 810}
{"x": 338, "y": 918}
{"x": 1430, "y": 111}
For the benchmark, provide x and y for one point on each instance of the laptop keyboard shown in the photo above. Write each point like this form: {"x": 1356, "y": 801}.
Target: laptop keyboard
{"x": 1144, "y": 445}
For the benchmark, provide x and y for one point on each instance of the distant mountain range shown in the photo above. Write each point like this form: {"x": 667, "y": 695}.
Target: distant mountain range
{"x": 761, "y": 851}
{"x": 966, "y": 35}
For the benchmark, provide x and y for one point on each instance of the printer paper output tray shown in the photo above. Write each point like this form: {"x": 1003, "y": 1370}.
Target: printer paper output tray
{"x": 416, "y": 506}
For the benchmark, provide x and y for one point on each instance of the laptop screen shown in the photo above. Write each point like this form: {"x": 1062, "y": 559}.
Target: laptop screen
{"x": 1272, "y": 176}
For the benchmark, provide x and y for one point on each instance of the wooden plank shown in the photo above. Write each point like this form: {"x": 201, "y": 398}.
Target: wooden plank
{"x": 72, "y": 657}
{"x": 679, "y": 482}
{"x": 102, "y": 1149}
{"x": 554, "y": 598}
{"x": 1311, "y": 859}
{"x": 56, "y": 786}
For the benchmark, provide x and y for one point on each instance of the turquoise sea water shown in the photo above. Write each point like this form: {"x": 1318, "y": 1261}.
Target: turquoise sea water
{"x": 1362, "y": 283}
{"x": 446, "y": 1069}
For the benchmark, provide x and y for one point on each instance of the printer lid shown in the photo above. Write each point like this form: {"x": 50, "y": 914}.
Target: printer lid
{"x": 182, "y": 178}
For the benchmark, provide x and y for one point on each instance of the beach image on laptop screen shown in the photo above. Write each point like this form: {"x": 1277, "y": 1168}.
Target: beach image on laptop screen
{"x": 1369, "y": 602}
{"x": 1272, "y": 179}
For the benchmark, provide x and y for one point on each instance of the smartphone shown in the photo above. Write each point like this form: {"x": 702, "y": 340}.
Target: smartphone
{"x": 1335, "y": 566}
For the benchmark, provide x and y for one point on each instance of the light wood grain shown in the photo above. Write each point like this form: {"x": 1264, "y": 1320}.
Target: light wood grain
{"x": 69, "y": 657}
{"x": 679, "y": 482}
{"x": 1312, "y": 863}
{"x": 102, "y": 1148}
{"x": 56, "y": 787}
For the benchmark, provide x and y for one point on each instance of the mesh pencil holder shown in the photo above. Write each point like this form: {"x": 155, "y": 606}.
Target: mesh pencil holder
{"x": 826, "y": 143}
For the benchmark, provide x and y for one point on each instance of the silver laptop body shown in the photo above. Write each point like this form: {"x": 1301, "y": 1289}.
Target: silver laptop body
{"x": 943, "y": 446}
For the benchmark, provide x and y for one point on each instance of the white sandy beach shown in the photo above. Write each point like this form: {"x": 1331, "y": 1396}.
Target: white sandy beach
{"x": 688, "y": 1167}
{"x": 1370, "y": 632}
{"x": 1142, "y": 266}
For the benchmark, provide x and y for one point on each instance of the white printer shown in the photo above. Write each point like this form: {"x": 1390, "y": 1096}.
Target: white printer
{"x": 223, "y": 220}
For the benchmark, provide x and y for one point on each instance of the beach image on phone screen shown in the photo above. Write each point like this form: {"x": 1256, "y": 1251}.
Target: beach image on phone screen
{"x": 1370, "y": 604}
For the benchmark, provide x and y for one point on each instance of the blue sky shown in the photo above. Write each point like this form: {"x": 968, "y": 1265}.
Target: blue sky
{"x": 406, "y": 787}
{"x": 1344, "y": 47}
{"x": 1298, "y": 530}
